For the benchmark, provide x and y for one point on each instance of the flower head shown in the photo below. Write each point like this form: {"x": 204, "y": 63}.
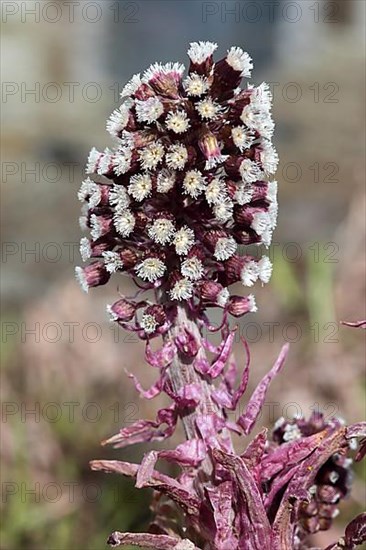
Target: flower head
{"x": 193, "y": 183}
{"x": 150, "y": 269}
{"x": 161, "y": 230}
{"x": 195, "y": 85}
{"x": 151, "y": 155}
{"x": 188, "y": 186}
{"x": 177, "y": 156}
{"x": 182, "y": 289}
{"x": 183, "y": 240}
{"x": 177, "y": 122}
{"x": 149, "y": 110}
{"x": 208, "y": 109}
{"x": 192, "y": 268}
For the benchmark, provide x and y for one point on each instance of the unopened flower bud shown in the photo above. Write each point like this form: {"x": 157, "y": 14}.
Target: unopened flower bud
{"x": 94, "y": 274}
{"x": 100, "y": 225}
{"x": 93, "y": 249}
{"x": 229, "y": 71}
{"x": 123, "y": 310}
{"x": 210, "y": 148}
{"x": 144, "y": 92}
{"x": 239, "y": 305}
{"x": 164, "y": 79}
{"x": 213, "y": 293}
{"x": 129, "y": 258}
{"x": 232, "y": 166}
{"x": 201, "y": 56}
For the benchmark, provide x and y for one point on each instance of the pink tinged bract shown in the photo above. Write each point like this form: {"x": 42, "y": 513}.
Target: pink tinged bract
{"x": 248, "y": 419}
{"x": 188, "y": 396}
{"x": 332, "y": 441}
{"x": 190, "y": 453}
{"x": 162, "y": 357}
{"x": 253, "y": 454}
{"x": 148, "y": 540}
{"x": 225, "y": 396}
{"x": 355, "y": 324}
{"x": 187, "y": 343}
{"x": 221, "y": 500}
{"x": 153, "y": 391}
{"x": 143, "y": 431}
{"x": 215, "y": 369}
{"x": 252, "y": 512}
{"x": 186, "y": 499}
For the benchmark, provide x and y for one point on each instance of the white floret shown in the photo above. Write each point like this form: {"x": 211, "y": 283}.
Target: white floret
{"x": 182, "y": 290}
{"x": 249, "y": 273}
{"x": 161, "y": 231}
{"x": 193, "y": 183}
{"x": 177, "y": 156}
{"x": 225, "y": 248}
{"x": 124, "y": 222}
{"x": 151, "y": 269}
{"x": 112, "y": 261}
{"x": 140, "y": 187}
{"x": 200, "y": 51}
{"x": 149, "y": 110}
{"x": 240, "y": 61}
{"x": 183, "y": 240}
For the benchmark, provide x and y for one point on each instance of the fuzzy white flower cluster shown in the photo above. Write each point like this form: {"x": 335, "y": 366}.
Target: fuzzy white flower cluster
{"x": 188, "y": 185}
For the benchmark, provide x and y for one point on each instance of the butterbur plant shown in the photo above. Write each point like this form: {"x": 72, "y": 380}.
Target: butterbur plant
{"x": 177, "y": 206}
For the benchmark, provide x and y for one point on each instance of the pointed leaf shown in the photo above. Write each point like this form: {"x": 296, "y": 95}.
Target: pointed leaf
{"x": 162, "y": 357}
{"x": 260, "y": 529}
{"x": 248, "y": 419}
{"x": 221, "y": 499}
{"x": 148, "y": 540}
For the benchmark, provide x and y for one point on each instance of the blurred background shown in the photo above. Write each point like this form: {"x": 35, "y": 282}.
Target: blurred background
{"x": 63, "y": 385}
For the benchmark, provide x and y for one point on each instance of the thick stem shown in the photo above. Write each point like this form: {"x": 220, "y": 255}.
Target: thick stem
{"x": 182, "y": 372}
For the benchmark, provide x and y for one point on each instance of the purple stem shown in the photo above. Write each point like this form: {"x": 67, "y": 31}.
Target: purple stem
{"x": 182, "y": 372}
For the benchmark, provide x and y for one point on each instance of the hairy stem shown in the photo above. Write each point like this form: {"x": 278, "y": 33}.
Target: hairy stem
{"x": 182, "y": 372}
